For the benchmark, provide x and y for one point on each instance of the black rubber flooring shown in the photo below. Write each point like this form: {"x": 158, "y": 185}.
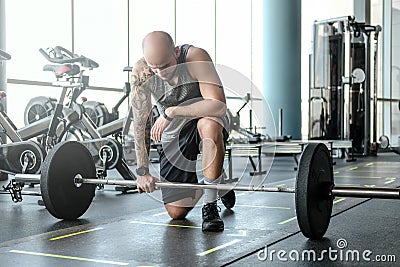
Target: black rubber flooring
{"x": 134, "y": 230}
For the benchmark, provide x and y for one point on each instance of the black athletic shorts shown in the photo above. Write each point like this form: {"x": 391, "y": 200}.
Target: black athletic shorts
{"x": 178, "y": 162}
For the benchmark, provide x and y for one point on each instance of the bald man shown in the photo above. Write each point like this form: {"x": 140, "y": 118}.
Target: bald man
{"x": 190, "y": 97}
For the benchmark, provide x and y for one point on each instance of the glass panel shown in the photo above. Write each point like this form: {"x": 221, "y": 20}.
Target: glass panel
{"x": 395, "y": 93}
{"x": 379, "y": 119}
{"x": 395, "y": 129}
{"x": 101, "y": 33}
{"x": 31, "y": 25}
{"x": 147, "y": 16}
{"x": 234, "y": 50}
{"x": 195, "y": 24}
{"x": 257, "y": 43}
{"x": 234, "y": 35}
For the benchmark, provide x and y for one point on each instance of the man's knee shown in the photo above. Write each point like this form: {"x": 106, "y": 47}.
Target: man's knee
{"x": 209, "y": 128}
{"x": 176, "y": 212}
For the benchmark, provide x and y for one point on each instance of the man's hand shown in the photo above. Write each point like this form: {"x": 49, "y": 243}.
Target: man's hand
{"x": 158, "y": 128}
{"x": 146, "y": 183}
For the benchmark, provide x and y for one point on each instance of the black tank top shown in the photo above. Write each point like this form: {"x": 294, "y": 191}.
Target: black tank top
{"x": 185, "y": 92}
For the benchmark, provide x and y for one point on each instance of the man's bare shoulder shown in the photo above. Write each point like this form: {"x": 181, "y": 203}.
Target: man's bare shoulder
{"x": 197, "y": 54}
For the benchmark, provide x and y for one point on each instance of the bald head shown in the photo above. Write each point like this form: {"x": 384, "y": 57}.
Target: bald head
{"x": 160, "y": 53}
{"x": 158, "y": 38}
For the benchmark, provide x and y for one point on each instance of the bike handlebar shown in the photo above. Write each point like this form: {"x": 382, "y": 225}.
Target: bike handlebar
{"x": 60, "y": 55}
{"x": 4, "y": 55}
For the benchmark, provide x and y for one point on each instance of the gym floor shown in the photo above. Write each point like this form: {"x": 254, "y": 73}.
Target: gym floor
{"x": 134, "y": 230}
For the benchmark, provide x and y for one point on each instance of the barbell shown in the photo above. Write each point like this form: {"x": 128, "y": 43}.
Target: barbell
{"x": 68, "y": 185}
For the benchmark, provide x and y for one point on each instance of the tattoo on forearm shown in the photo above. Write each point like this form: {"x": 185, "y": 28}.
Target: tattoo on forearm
{"x": 141, "y": 103}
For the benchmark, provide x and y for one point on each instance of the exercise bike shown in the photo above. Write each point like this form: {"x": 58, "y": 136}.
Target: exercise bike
{"x": 26, "y": 157}
{"x": 77, "y": 120}
{"x": 105, "y": 123}
{"x": 22, "y": 155}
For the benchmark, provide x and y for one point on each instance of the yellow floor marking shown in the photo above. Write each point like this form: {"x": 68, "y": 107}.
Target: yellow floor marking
{"x": 166, "y": 224}
{"x": 353, "y": 168}
{"x": 265, "y": 207}
{"x": 358, "y": 177}
{"x": 372, "y": 171}
{"x": 288, "y": 220}
{"x": 280, "y": 185}
{"x": 339, "y": 200}
{"x": 336, "y": 172}
{"x": 219, "y": 247}
{"x": 68, "y": 257}
{"x": 369, "y": 164}
{"x": 74, "y": 234}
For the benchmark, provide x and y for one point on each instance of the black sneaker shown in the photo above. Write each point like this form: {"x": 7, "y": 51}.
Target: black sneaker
{"x": 229, "y": 199}
{"x": 211, "y": 220}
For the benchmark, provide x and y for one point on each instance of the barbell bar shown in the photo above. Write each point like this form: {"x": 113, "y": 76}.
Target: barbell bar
{"x": 223, "y": 187}
{"x": 68, "y": 187}
{"x": 337, "y": 191}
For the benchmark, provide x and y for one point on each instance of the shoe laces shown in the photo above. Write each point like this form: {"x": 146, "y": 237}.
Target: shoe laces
{"x": 211, "y": 208}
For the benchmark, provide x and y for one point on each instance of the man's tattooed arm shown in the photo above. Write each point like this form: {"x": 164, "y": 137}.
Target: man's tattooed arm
{"x": 141, "y": 107}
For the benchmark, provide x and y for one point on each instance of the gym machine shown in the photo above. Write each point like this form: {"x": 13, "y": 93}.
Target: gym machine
{"x": 77, "y": 117}
{"x": 343, "y": 82}
{"x": 234, "y": 122}
{"x": 98, "y": 121}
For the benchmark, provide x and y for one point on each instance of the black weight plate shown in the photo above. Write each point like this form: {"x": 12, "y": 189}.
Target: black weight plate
{"x": 314, "y": 182}
{"x": 62, "y": 198}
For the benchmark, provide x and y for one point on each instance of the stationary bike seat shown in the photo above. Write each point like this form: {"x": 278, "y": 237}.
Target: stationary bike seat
{"x": 64, "y": 69}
